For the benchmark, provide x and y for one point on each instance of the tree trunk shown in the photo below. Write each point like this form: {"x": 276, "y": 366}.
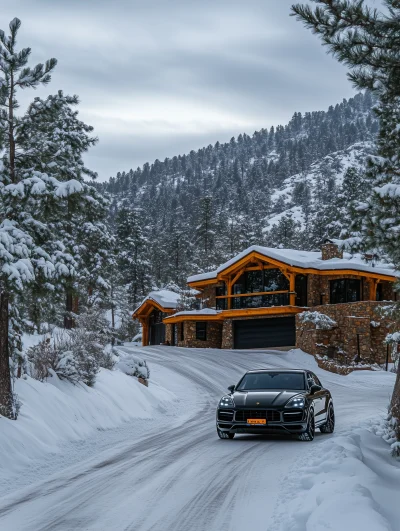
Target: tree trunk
{"x": 5, "y": 376}
{"x": 68, "y": 323}
{"x": 395, "y": 402}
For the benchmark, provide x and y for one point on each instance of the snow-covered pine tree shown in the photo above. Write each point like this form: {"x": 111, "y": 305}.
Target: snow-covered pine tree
{"x": 367, "y": 41}
{"x": 21, "y": 257}
{"x": 205, "y": 232}
{"x": 132, "y": 258}
{"x": 50, "y": 217}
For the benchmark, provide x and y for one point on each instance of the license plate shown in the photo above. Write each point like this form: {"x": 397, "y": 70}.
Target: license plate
{"x": 256, "y": 421}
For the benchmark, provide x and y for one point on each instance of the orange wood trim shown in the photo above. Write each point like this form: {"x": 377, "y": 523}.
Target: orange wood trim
{"x": 372, "y": 288}
{"x": 145, "y": 334}
{"x": 292, "y": 284}
{"x": 228, "y": 314}
{"x": 201, "y": 283}
{"x": 237, "y": 276}
{"x": 148, "y": 306}
{"x": 254, "y": 256}
{"x": 252, "y": 294}
{"x": 229, "y": 294}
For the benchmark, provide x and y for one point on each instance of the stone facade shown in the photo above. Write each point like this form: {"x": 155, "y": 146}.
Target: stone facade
{"x": 360, "y": 331}
{"x": 208, "y": 295}
{"x": 330, "y": 250}
{"x": 318, "y": 289}
{"x": 214, "y": 335}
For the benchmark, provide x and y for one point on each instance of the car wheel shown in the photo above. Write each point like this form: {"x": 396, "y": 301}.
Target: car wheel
{"x": 308, "y": 435}
{"x": 329, "y": 426}
{"x": 225, "y": 435}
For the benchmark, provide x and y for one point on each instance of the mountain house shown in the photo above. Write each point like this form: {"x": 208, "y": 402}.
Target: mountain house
{"x": 255, "y": 300}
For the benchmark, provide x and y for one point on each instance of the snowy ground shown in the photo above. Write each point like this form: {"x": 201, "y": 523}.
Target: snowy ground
{"x": 169, "y": 471}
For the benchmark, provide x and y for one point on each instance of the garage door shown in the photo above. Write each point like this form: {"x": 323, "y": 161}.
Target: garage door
{"x": 261, "y": 333}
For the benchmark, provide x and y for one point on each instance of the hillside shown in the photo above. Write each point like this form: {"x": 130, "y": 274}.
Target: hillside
{"x": 287, "y": 186}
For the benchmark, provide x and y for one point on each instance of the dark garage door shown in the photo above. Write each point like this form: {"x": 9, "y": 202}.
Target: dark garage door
{"x": 157, "y": 334}
{"x": 261, "y": 333}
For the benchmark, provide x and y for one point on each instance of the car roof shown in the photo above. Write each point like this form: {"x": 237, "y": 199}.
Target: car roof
{"x": 277, "y": 370}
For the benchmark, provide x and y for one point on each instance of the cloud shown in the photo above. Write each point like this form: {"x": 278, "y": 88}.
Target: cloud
{"x": 158, "y": 78}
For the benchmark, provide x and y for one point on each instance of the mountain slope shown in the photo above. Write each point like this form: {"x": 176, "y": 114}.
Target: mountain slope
{"x": 287, "y": 186}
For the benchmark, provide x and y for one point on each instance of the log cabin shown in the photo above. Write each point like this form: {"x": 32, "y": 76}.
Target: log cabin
{"x": 254, "y": 301}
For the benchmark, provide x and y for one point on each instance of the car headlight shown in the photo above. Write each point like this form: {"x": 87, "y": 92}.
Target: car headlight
{"x": 296, "y": 401}
{"x": 226, "y": 401}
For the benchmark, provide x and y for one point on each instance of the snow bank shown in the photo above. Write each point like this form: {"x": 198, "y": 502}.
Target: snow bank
{"x": 57, "y": 411}
{"x": 347, "y": 482}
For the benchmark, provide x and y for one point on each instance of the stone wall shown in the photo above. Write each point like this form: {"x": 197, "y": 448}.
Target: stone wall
{"x": 359, "y": 329}
{"x": 319, "y": 289}
{"x": 208, "y": 295}
{"x": 214, "y": 335}
{"x": 330, "y": 250}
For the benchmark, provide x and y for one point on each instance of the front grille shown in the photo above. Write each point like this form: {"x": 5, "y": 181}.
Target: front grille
{"x": 269, "y": 414}
{"x": 226, "y": 415}
{"x": 293, "y": 416}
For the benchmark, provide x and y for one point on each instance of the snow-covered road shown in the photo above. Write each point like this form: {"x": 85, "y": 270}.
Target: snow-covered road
{"x": 179, "y": 476}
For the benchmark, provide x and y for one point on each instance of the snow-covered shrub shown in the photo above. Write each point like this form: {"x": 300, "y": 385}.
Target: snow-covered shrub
{"x": 133, "y": 366}
{"x": 52, "y": 354}
{"x": 75, "y": 355}
{"x": 320, "y": 320}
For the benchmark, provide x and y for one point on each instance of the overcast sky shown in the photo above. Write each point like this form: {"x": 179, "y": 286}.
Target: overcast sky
{"x": 158, "y": 78}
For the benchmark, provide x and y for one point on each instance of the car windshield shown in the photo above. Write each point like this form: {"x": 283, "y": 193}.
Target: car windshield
{"x": 272, "y": 380}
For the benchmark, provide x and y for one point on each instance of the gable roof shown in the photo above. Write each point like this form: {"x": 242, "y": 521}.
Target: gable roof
{"x": 164, "y": 299}
{"x": 303, "y": 260}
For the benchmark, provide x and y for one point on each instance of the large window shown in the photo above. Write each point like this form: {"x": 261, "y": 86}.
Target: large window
{"x": 261, "y": 281}
{"x": 220, "y": 291}
{"x": 345, "y": 290}
{"x": 201, "y": 330}
{"x": 301, "y": 290}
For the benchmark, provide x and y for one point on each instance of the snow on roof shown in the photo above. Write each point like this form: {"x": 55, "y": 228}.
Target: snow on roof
{"x": 204, "y": 311}
{"x": 164, "y": 297}
{"x": 303, "y": 259}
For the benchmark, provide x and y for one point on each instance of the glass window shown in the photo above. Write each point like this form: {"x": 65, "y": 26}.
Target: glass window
{"x": 379, "y": 292}
{"x": 220, "y": 290}
{"x": 254, "y": 281}
{"x": 301, "y": 290}
{"x": 257, "y": 281}
{"x": 274, "y": 280}
{"x": 272, "y": 380}
{"x": 220, "y": 304}
{"x": 345, "y": 290}
{"x": 201, "y": 331}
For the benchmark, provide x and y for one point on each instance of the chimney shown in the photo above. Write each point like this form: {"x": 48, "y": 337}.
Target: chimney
{"x": 330, "y": 250}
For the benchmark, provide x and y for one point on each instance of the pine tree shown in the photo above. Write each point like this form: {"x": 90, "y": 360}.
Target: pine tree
{"x": 132, "y": 256}
{"x": 367, "y": 41}
{"x": 51, "y": 219}
{"x": 20, "y": 258}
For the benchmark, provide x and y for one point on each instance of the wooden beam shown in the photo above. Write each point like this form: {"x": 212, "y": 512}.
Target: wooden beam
{"x": 229, "y": 287}
{"x": 373, "y": 284}
{"x": 229, "y": 314}
{"x": 252, "y": 294}
{"x": 292, "y": 287}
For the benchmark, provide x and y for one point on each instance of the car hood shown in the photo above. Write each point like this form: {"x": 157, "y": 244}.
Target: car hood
{"x": 262, "y": 399}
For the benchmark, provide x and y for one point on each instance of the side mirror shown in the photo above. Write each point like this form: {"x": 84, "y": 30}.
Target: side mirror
{"x": 314, "y": 389}
{"x": 231, "y": 388}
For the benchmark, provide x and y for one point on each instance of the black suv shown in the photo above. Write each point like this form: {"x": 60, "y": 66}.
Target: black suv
{"x": 274, "y": 401}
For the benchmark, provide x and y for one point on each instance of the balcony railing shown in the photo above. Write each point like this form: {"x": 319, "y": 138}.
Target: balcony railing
{"x": 254, "y": 300}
